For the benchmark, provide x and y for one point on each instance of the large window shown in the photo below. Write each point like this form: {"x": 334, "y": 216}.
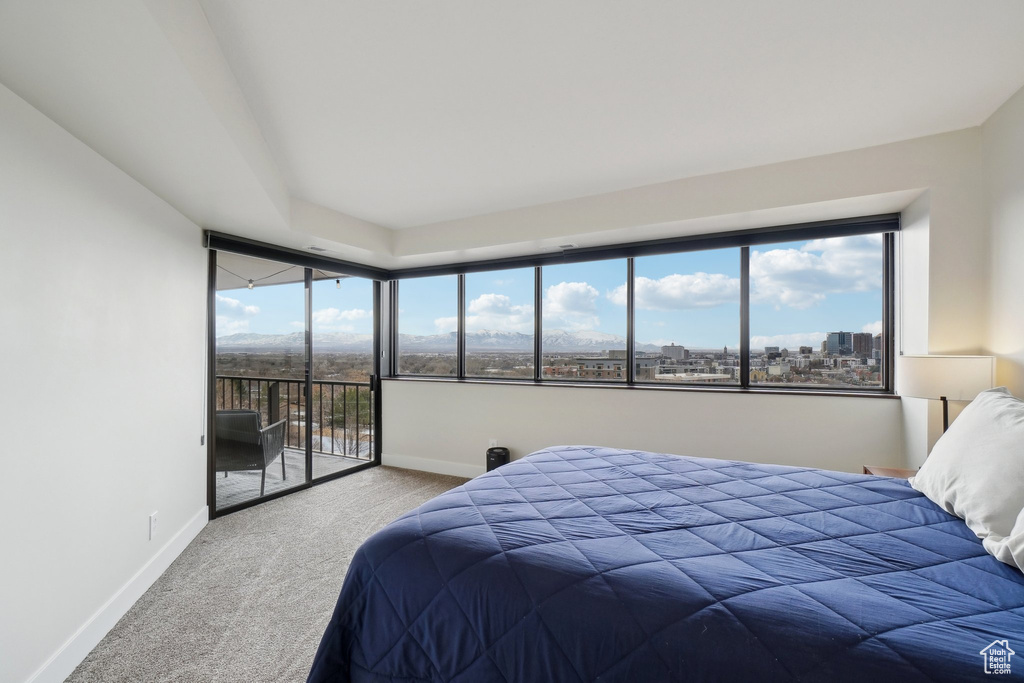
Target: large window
{"x": 792, "y": 307}
{"x": 500, "y": 323}
{"x": 688, "y": 317}
{"x": 428, "y": 317}
{"x": 816, "y": 312}
{"x": 584, "y": 326}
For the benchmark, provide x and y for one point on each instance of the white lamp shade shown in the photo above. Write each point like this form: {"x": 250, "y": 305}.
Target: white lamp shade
{"x": 958, "y": 378}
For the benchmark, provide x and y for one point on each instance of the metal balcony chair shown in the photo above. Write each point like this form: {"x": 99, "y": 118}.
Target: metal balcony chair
{"x": 242, "y": 445}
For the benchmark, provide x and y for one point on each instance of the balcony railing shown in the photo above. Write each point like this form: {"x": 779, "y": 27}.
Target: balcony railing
{"x": 341, "y": 419}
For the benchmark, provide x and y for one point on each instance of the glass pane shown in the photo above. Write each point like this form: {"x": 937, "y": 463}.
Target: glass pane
{"x": 499, "y": 323}
{"x": 687, "y": 309}
{"x": 342, "y": 419}
{"x": 584, "y": 327}
{"x": 816, "y": 312}
{"x": 260, "y": 418}
{"x": 428, "y": 310}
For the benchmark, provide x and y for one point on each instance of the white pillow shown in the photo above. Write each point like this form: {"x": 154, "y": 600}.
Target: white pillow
{"x": 976, "y": 472}
{"x": 1008, "y": 549}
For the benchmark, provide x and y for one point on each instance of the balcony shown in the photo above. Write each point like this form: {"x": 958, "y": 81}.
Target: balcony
{"x": 341, "y": 428}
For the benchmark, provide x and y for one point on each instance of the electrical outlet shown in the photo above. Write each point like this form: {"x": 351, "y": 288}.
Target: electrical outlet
{"x": 152, "y": 525}
{"x": 491, "y": 443}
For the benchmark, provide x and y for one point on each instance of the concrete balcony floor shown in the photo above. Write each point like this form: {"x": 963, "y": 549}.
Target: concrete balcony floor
{"x": 239, "y": 487}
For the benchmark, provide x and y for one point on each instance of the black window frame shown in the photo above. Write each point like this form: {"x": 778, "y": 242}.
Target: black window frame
{"x": 460, "y": 337}
{"x": 215, "y": 243}
{"x": 886, "y": 224}
{"x": 464, "y": 353}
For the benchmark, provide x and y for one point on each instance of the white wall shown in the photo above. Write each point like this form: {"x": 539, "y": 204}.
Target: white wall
{"x": 912, "y": 321}
{"x": 445, "y": 427}
{"x": 103, "y": 312}
{"x": 945, "y": 295}
{"x": 1003, "y": 134}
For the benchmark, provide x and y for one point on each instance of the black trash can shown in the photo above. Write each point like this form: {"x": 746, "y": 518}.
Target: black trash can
{"x": 496, "y": 457}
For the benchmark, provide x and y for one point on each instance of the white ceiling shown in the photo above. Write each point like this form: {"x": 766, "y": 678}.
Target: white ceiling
{"x": 411, "y": 113}
{"x": 310, "y": 122}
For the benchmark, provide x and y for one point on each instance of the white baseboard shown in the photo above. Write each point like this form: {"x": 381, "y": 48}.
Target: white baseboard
{"x": 411, "y": 462}
{"x": 70, "y": 655}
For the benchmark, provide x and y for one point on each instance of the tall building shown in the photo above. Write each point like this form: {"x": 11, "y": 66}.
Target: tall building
{"x": 877, "y": 342}
{"x": 839, "y": 343}
{"x": 862, "y": 344}
{"x": 675, "y": 352}
{"x": 806, "y": 350}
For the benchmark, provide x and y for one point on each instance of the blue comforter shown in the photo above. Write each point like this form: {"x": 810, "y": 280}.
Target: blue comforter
{"x": 596, "y": 564}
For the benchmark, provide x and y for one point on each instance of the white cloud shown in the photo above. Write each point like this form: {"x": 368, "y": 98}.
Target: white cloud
{"x": 446, "y": 325}
{"x": 228, "y": 306}
{"x": 226, "y": 326}
{"x": 336, "y": 320}
{"x": 571, "y": 305}
{"x": 491, "y": 312}
{"x": 232, "y": 315}
{"x": 679, "y": 292}
{"x": 789, "y": 341}
{"x": 873, "y": 328}
{"x": 802, "y": 278}
{"x": 332, "y": 316}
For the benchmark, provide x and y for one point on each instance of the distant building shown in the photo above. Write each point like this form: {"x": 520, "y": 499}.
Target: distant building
{"x": 693, "y": 377}
{"x": 675, "y": 352}
{"x": 771, "y": 349}
{"x": 560, "y": 371}
{"x": 600, "y": 367}
{"x": 806, "y": 350}
{"x": 876, "y": 343}
{"x": 839, "y": 343}
{"x": 862, "y": 344}
{"x": 646, "y": 368}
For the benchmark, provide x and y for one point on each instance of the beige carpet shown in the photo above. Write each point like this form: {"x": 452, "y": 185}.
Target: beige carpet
{"x": 249, "y": 599}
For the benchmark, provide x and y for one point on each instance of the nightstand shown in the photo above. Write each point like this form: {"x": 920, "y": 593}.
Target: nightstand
{"x": 889, "y": 472}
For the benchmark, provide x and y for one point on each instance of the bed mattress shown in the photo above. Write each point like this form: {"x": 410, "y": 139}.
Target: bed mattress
{"x": 580, "y": 563}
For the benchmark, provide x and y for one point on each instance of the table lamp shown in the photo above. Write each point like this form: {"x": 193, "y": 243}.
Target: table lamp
{"x": 947, "y": 378}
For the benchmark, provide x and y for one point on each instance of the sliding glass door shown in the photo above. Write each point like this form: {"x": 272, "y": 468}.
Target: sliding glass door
{"x": 293, "y": 384}
{"x": 344, "y": 411}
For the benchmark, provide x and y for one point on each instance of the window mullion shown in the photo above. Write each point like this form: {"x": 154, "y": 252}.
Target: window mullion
{"x": 460, "y": 334}
{"x": 630, "y": 328}
{"x": 538, "y": 327}
{"x": 745, "y": 317}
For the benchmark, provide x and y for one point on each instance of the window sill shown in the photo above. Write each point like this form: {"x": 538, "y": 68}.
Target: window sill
{"x": 775, "y": 391}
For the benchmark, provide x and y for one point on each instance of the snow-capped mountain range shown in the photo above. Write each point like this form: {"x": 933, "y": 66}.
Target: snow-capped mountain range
{"x": 484, "y": 340}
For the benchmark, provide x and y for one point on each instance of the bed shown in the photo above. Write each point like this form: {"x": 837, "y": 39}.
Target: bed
{"x": 581, "y": 563}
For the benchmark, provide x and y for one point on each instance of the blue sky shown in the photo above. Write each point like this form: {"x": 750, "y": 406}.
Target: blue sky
{"x": 428, "y": 305}
{"x": 279, "y": 309}
{"x": 799, "y": 292}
